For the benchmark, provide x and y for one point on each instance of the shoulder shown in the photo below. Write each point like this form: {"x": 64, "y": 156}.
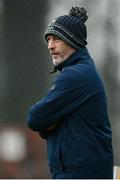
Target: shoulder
{"x": 75, "y": 72}
{"x": 70, "y": 73}
{"x": 68, "y": 79}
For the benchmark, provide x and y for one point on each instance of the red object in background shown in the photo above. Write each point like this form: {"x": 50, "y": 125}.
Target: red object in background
{"x": 34, "y": 162}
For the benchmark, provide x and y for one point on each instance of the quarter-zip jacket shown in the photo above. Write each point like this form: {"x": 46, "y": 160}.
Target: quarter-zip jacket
{"x": 80, "y": 144}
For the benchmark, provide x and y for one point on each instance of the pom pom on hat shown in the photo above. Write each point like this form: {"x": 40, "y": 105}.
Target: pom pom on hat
{"x": 81, "y": 12}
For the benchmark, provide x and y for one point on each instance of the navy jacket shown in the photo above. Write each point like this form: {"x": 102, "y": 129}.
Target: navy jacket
{"x": 80, "y": 144}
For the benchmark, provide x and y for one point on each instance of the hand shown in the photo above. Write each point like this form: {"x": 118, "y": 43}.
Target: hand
{"x": 52, "y": 127}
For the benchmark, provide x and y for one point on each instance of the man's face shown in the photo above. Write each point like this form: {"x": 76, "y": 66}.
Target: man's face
{"x": 59, "y": 50}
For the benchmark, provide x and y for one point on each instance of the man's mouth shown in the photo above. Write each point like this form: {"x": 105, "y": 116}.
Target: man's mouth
{"x": 55, "y": 54}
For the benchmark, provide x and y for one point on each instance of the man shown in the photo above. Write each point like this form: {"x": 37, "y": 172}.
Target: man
{"x": 73, "y": 116}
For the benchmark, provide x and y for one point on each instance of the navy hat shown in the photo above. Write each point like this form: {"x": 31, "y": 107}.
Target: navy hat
{"x": 70, "y": 28}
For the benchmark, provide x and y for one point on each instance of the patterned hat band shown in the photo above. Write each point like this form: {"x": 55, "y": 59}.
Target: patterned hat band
{"x": 65, "y": 35}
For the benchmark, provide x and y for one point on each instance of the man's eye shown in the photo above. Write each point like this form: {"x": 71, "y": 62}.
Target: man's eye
{"x": 48, "y": 39}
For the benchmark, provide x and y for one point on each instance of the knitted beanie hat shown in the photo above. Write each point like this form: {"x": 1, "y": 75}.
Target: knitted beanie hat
{"x": 70, "y": 28}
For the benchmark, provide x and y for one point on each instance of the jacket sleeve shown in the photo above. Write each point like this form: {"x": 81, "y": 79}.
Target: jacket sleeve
{"x": 60, "y": 102}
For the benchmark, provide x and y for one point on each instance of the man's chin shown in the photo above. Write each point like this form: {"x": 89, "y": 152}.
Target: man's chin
{"x": 56, "y": 61}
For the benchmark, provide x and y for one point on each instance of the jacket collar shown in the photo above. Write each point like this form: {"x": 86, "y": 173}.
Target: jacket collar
{"x": 76, "y": 57}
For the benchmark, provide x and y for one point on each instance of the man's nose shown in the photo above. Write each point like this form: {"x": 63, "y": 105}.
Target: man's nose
{"x": 51, "y": 44}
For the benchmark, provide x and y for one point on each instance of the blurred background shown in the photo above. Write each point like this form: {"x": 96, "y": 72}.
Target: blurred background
{"x": 24, "y": 79}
